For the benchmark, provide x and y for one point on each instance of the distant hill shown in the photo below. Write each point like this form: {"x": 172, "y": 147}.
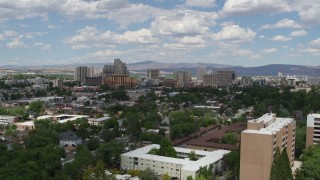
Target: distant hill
{"x": 273, "y": 69}
{"x": 267, "y": 70}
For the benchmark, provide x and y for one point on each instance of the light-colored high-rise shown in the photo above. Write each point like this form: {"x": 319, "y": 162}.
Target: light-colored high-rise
{"x": 210, "y": 80}
{"x": 153, "y": 73}
{"x": 182, "y": 76}
{"x": 57, "y": 83}
{"x": 201, "y": 71}
{"x": 120, "y": 68}
{"x": 81, "y": 72}
{"x": 313, "y": 129}
{"x": 259, "y": 142}
{"x": 225, "y": 78}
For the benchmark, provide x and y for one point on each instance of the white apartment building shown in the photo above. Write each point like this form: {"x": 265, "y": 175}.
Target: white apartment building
{"x": 180, "y": 168}
{"x": 313, "y": 129}
{"x": 98, "y": 121}
{"x": 7, "y": 120}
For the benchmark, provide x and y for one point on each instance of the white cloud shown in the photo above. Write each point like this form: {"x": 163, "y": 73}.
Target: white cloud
{"x": 298, "y": 33}
{"x": 92, "y": 37}
{"x": 312, "y": 51}
{"x": 120, "y": 11}
{"x": 186, "y": 43}
{"x": 107, "y": 52}
{"x": 192, "y": 40}
{"x": 10, "y": 34}
{"x": 135, "y": 13}
{"x": 284, "y": 23}
{"x": 142, "y": 36}
{"x": 16, "y": 43}
{"x": 1, "y": 37}
{"x": 308, "y": 11}
{"x": 269, "y": 51}
{"x": 43, "y": 46}
{"x": 281, "y": 38}
{"x": 237, "y": 52}
{"x": 247, "y": 7}
{"x": 50, "y": 26}
{"x": 200, "y": 3}
{"x": 183, "y": 22}
{"x": 315, "y": 42}
{"x": 235, "y": 34}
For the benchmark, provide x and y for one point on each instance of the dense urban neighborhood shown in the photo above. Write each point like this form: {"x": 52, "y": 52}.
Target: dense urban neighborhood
{"x": 111, "y": 125}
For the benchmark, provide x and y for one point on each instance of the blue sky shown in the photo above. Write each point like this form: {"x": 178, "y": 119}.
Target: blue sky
{"x": 234, "y": 32}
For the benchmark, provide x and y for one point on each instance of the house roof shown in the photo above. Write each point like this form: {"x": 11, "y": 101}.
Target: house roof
{"x": 68, "y": 135}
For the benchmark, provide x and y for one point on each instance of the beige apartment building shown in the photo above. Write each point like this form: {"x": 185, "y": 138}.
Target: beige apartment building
{"x": 313, "y": 129}
{"x": 210, "y": 80}
{"x": 259, "y": 142}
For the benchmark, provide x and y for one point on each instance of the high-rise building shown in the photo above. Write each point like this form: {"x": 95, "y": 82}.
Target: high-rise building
{"x": 210, "y": 80}
{"x": 313, "y": 129}
{"x": 57, "y": 83}
{"x": 120, "y": 68}
{"x": 182, "y": 77}
{"x": 225, "y": 78}
{"x": 107, "y": 71}
{"x": 259, "y": 142}
{"x": 201, "y": 70}
{"x": 153, "y": 73}
{"x": 117, "y": 75}
{"x": 81, "y": 72}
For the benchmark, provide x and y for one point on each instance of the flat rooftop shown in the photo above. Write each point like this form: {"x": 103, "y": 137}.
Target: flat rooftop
{"x": 265, "y": 118}
{"x": 63, "y": 117}
{"x": 272, "y": 128}
{"x": 206, "y": 140}
{"x": 207, "y": 159}
{"x": 314, "y": 115}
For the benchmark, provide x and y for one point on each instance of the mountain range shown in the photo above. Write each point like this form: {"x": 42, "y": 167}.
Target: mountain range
{"x": 267, "y": 70}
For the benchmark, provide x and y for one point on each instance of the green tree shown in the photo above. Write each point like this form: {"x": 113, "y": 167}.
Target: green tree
{"x": 93, "y": 144}
{"x": 229, "y": 138}
{"x": 166, "y": 177}
{"x": 275, "y": 168}
{"x": 310, "y": 168}
{"x": 148, "y": 174}
{"x": 285, "y": 165}
{"x": 36, "y": 107}
{"x": 193, "y": 156}
{"x": 232, "y": 162}
{"x": 134, "y": 125}
{"x": 189, "y": 178}
{"x": 167, "y": 149}
{"x": 95, "y": 173}
{"x": 110, "y": 153}
{"x": 281, "y": 168}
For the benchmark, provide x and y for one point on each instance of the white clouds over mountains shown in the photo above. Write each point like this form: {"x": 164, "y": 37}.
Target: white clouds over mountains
{"x": 160, "y": 29}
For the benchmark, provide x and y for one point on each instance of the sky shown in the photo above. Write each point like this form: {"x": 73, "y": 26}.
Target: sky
{"x": 233, "y": 32}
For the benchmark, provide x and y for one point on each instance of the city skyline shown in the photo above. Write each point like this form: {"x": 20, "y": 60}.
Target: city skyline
{"x": 234, "y": 32}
